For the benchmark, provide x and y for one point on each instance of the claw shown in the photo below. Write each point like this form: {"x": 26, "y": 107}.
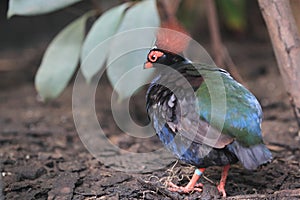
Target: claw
{"x": 199, "y": 185}
{"x": 186, "y": 189}
{"x": 191, "y": 186}
{"x": 222, "y": 189}
{"x": 221, "y": 186}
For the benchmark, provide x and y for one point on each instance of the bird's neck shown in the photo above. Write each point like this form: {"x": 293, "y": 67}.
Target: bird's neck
{"x": 179, "y": 75}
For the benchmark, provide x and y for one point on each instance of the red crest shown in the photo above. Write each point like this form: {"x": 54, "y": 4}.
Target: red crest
{"x": 172, "y": 37}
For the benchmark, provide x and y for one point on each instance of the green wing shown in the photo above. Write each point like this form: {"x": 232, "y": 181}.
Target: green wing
{"x": 228, "y": 106}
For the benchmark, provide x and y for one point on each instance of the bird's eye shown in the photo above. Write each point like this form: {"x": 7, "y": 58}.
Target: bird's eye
{"x": 153, "y": 58}
{"x": 154, "y": 55}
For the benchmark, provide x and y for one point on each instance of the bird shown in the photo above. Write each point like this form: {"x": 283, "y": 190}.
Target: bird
{"x": 202, "y": 115}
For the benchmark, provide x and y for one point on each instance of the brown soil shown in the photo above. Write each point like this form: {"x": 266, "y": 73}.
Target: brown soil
{"x": 42, "y": 157}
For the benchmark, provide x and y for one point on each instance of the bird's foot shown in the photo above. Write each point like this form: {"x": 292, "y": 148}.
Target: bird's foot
{"x": 221, "y": 188}
{"x": 187, "y": 189}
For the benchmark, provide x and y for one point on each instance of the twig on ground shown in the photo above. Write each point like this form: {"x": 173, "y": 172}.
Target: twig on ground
{"x": 157, "y": 187}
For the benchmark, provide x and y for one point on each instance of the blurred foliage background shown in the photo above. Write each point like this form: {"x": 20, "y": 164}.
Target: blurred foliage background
{"x": 34, "y": 24}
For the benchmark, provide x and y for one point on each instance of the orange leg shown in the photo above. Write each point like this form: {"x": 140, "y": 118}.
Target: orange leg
{"x": 191, "y": 186}
{"x": 221, "y": 186}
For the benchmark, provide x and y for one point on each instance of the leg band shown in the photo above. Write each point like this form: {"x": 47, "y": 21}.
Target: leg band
{"x": 198, "y": 172}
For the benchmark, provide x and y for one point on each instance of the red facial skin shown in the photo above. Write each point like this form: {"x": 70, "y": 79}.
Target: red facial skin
{"x": 152, "y": 58}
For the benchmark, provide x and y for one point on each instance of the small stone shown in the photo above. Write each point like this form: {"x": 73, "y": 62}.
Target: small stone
{"x": 31, "y": 172}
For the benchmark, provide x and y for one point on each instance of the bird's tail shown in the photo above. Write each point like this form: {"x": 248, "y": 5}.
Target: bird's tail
{"x": 251, "y": 157}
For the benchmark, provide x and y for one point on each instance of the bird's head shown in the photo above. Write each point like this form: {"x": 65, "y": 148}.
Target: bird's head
{"x": 171, "y": 41}
{"x": 163, "y": 57}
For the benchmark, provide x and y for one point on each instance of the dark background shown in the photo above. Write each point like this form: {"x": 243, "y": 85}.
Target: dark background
{"x": 42, "y": 157}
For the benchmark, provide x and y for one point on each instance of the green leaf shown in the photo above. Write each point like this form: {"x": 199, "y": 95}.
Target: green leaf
{"x": 36, "y": 7}
{"x": 127, "y": 73}
{"x": 102, "y": 29}
{"x": 143, "y": 14}
{"x": 131, "y": 46}
{"x": 60, "y": 59}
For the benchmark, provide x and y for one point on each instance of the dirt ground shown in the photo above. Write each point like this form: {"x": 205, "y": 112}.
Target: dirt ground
{"x": 42, "y": 157}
